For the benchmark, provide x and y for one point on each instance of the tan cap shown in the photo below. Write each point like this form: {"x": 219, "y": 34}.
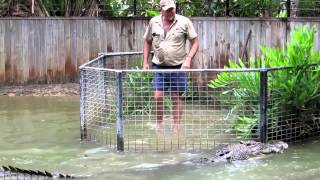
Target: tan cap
{"x": 167, "y": 4}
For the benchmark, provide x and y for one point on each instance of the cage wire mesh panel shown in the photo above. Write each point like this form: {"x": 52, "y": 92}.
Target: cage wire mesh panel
{"x": 98, "y": 103}
{"x": 209, "y": 115}
{"x": 98, "y": 98}
{"x": 293, "y": 115}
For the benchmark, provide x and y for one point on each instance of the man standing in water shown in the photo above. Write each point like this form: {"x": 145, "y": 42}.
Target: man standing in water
{"x": 167, "y": 34}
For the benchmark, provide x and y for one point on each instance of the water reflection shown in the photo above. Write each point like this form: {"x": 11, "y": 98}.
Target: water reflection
{"x": 43, "y": 133}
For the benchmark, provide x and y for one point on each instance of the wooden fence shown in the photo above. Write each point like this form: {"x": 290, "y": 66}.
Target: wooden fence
{"x": 50, "y": 50}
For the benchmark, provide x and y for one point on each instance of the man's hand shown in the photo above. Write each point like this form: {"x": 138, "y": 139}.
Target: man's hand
{"x": 187, "y": 63}
{"x": 194, "y": 48}
{"x": 145, "y": 66}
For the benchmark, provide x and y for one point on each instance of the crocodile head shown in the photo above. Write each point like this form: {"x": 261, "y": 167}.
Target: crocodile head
{"x": 242, "y": 151}
{"x": 275, "y": 147}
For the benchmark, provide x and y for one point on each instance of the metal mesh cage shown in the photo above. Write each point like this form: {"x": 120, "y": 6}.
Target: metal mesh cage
{"x": 118, "y": 107}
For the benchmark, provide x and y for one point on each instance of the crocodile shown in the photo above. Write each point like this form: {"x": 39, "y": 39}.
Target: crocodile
{"x": 11, "y": 172}
{"x": 241, "y": 151}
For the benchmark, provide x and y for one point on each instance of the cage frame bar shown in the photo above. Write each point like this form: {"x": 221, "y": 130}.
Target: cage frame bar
{"x": 83, "y": 123}
{"x": 263, "y": 105}
{"x": 120, "y": 119}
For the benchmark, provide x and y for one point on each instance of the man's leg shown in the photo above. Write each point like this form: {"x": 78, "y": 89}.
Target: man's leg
{"x": 158, "y": 93}
{"x": 178, "y": 86}
{"x": 158, "y": 96}
{"x": 177, "y": 111}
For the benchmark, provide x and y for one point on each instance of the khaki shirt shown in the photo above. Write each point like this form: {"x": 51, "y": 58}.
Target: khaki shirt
{"x": 170, "y": 48}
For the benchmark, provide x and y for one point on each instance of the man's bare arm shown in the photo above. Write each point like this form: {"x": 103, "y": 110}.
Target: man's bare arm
{"x": 193, "y": 50}
{"x": 146, "y": 51}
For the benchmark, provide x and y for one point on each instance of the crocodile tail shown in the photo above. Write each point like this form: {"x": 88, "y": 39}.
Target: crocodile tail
{"x": 16, "y": 170}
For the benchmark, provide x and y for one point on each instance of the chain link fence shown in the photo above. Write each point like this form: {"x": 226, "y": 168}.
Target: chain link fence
{"x": 118, "y": 107}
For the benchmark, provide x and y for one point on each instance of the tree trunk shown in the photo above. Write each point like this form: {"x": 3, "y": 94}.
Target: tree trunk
{"x": 93, "y": 8}
{"x": 67, "y": 8}
{"x": 32, "y": 7}
{"x": 294, "y": 8}
{"x": 85, "y": 8}
{"x": 41, "y": 9}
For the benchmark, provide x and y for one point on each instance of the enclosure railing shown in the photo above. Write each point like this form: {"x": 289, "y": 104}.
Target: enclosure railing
{"x": 117, "y": 106}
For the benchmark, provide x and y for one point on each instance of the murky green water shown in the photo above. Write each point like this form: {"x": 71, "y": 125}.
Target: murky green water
{"x": 43, "y": 133}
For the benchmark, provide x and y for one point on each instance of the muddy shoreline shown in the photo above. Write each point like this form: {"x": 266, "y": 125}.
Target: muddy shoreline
{"x": 69, "y": 89}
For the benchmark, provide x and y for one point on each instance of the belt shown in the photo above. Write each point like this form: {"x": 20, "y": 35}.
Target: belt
{"x": 173, "y": 67}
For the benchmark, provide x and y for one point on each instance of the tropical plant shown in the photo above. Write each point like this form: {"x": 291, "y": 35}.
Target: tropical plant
{"x": 115, "y": 8}
{"x": 300, "y": 84}
{"x": 129, "y": 8}
{"x": 299, "y": 91}
{"x": 240, "y": 92}
{"x": 309, "y": 8}
{"x": 149, "y": 8}
{"x": 247, "y": 8}
{"x": 201, "y": 7}
{"x": 237, "y": 8}
{"x": 295, "y": 89}
{"x": 4, "y": 7}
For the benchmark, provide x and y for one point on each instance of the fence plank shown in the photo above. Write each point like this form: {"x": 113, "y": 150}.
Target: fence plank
{"x": 86, "y": 43}
{"x": 2, "y": 52}
{"x": 42, "y": 61}
{"x": 49, "y": 51}
{"x": 61, "y": 56}
{"x": 25, "y": 61}
{"x": 18, "y": 67}
{"x": 35, "y": 55}
{"x": 11, "y": 60}
{"x": 55, "y": 59}
{"x": 67, "y": 49}
{"x": 70, "y": 63}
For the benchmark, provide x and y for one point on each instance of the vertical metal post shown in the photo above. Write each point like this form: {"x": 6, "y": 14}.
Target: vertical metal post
{"x": 106, "y": 105}
{"x": 120, "y": 121}
{"x": 83, "y": 123}
{"x": 288, "y": 8}
{"x": 263, "y": 105}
